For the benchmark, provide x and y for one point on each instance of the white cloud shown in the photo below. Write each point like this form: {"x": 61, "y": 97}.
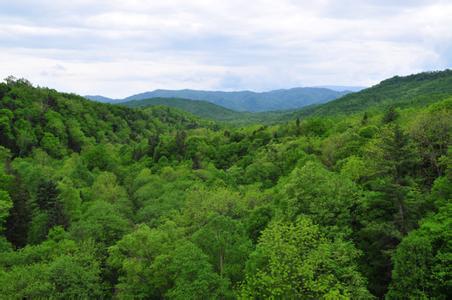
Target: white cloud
{"x": 117, "y": 48}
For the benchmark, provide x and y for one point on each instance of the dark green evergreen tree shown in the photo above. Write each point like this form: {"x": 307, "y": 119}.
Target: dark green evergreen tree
{"x": 19, "y": 218}
{"x": 390, "y": 115}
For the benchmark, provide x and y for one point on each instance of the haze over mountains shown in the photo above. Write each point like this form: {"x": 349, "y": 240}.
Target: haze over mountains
{"x": 282, "y": 99}
{"x": 398, "y": 91}
{"x": 342, "y": 88}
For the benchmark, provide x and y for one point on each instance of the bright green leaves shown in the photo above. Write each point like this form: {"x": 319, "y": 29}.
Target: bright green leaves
{"x": 326, "y": 197}
{"x": 157, "y": 263}
{"x": 133, "y": 256}
{"x": 226, "y": 244}
{"x": 296, "y": 261}
{"x": 192, "y": 276}
{"x": 52, "y": 145}
{"x": 25, "y": 136}
{"x": 101, "y": 222}
{"x": 58, "y": 269}
{"x": 354, "y": 168}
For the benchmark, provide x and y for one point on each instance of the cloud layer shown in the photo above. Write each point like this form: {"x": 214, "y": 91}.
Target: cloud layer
{"x": 117, "y": 48}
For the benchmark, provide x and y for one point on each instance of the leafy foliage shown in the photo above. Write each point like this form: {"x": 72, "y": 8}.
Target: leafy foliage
{"x": 198, "y": 108}
{"x": 104, "y": 201}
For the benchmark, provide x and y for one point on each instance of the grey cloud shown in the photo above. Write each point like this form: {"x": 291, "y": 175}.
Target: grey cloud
{"x": 110, "y": 46}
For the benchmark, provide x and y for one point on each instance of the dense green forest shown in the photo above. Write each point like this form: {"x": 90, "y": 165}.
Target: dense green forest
{"x": 105, "y": 201}
{"x": 210, "y": 111}
{"x": 198, "y": 108}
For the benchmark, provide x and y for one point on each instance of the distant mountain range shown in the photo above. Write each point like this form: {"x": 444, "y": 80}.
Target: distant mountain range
{"x": 248, "y": 101}
{"x": 102, "y": 99}
{"x": 341, "y": 88}
{"x": 400, "y": 91}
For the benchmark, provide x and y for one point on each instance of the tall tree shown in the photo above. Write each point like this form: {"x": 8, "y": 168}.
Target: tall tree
{"x": 226, "y": 244}
{"x": 390, "y": 115}
{"x": 181, "y": 136}
{"x": 17, "y": 224}
{"x": 423, "y": 262}
{"x": 393, "y": 206}
{"x": 295, "y": 261}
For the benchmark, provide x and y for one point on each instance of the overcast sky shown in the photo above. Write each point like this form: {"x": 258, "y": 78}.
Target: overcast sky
{"x": 117, "y": 48}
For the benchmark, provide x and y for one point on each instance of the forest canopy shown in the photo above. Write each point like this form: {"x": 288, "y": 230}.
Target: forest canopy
{"x": 105, "y": 201}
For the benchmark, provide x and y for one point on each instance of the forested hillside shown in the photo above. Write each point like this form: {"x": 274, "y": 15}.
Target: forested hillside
{"x": 201, "y": 109}
{"x": 104, "y": 201}
{"x": 210, "y": 111}
{"x": 408, "y": 91}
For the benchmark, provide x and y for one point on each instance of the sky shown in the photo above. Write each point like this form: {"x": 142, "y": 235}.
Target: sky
{"x": 118, "y": 48}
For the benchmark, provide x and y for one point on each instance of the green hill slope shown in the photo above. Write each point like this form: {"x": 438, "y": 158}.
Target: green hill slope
{"x": 62, "y": 123}
{"x": 198, "y": 108}
{"x": 210, "y": 111}
{"x": 408, "y": 91}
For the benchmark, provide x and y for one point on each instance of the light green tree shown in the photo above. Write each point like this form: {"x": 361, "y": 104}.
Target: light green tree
{"x": 296, "y": 261}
